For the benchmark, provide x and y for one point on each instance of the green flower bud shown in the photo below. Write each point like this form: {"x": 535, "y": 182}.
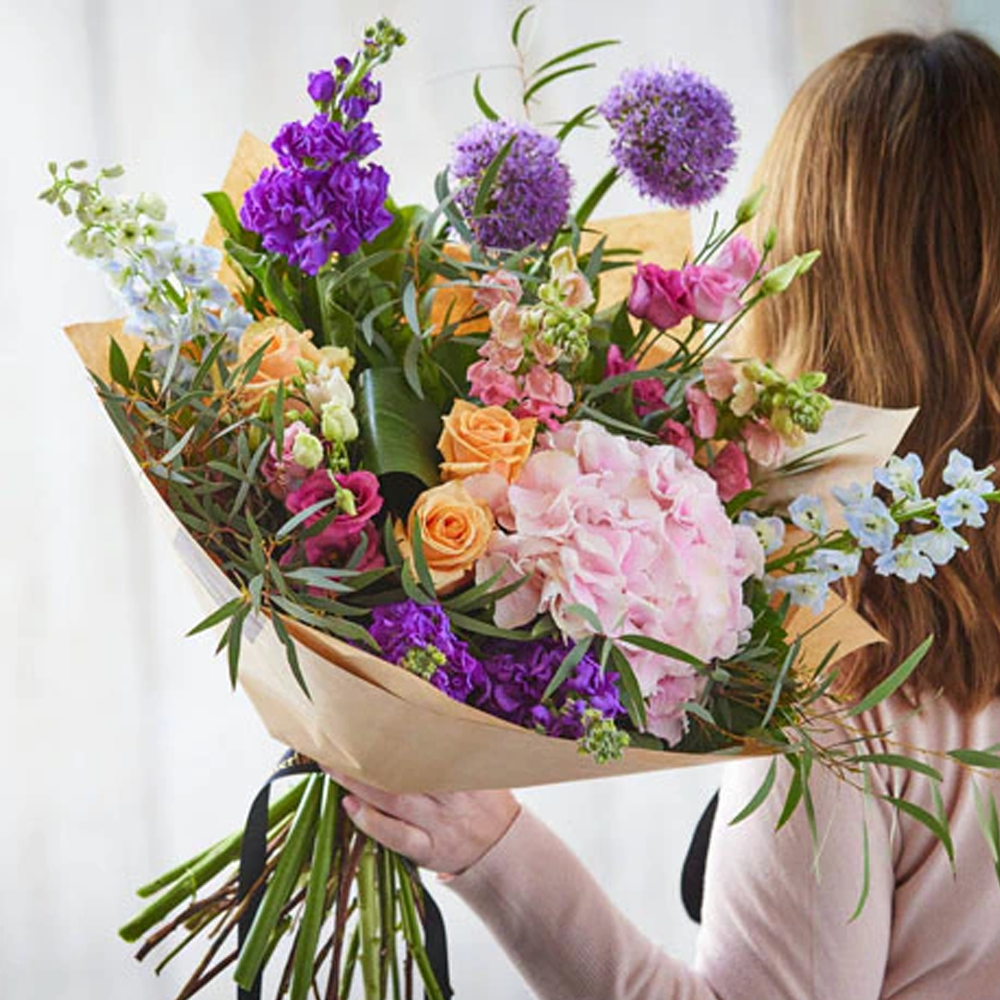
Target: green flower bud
{"x": 307, "y": 450}
{"x": 770, "y": 238}
{"x": 423, "y": 661}
{"x": 602, "y": 740}
{"x": 337, "y": 423}
{"x": 749, "y": 207}
{"x": 779, "y": 278}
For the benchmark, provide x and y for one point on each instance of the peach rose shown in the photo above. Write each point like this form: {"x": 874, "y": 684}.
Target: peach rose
{"x": 286, "y": 347}
{"x": 456, "y": 303}
{"x": 455, "y": 529}
{"x": 478, "y": 439}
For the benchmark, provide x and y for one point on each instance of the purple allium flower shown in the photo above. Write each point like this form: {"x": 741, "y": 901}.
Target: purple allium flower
{"x": 530, "y": 197}
{"x": 674, "y": 134}
{"x": 322, "y": 86}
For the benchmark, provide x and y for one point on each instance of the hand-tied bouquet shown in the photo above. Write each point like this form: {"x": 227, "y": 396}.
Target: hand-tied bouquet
{"x": 487, "y": 509}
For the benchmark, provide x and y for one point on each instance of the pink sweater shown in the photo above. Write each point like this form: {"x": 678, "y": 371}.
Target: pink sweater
{"x": 771, "y": 931}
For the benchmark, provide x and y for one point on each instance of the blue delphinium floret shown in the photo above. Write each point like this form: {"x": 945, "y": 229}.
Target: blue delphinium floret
{"x": 674, "y": 134}
{"x": 529, "y": 199}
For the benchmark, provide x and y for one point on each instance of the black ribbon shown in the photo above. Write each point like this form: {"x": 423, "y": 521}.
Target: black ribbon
{"x": 254, "y": 853}
{"x": 693, "y": 873}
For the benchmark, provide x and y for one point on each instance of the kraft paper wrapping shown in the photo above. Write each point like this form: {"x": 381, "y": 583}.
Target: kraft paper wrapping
{"x": 372, "y": 720}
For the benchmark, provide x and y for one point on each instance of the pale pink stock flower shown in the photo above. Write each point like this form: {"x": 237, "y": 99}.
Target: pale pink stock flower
{"x": 637, "y": 534}
{"x": 576, "y": 291}
{"x": 505, "y": 319}
{"x": 740, "y": 258}
{"x": 704, "y": 419}
{"x": 545, "y": 353}
{"x": 730, "y": 472}
{"x": 546, "y": 395}
{"x": 491, "y": 384}
{"x": 744, "y": 396}
{"x": 764, "y": 444}
{"x": 720, "y": 377}
{"x": 500, "y": 286}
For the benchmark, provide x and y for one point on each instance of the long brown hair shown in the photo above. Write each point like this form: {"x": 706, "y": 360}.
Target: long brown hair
{"x": 888, "y": 162}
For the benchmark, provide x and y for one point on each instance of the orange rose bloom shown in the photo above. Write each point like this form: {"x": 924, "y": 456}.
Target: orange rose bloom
{"x": 286, "y": 346}
{"x": 479, "y": 439}
{"x": 455, "y": 529}
{"x": 456, "y": 303}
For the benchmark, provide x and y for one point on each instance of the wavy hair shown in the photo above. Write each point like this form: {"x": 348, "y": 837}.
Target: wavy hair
{"x": 888, "y": 162}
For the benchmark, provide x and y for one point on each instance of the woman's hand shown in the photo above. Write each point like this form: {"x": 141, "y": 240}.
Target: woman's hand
{"x": 445, "y": 831}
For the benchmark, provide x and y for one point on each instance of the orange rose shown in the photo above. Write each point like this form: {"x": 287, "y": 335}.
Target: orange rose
{"x": 479, "y": 439}
{"x": 456, "y": 303}
{"x": 286, "y": 346}
{"x": 455, "y": 529}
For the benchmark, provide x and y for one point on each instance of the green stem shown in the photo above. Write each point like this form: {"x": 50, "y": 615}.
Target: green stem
{"x": 411, "y": 932}
{"x": 258, "y": 943}
{"x": 600, "y": 189}
{"x": 368, "y": 921}
{"x": 350, "y": 964}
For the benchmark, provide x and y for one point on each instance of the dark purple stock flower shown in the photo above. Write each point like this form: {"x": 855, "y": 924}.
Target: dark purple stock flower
{"x": 507, "y": 679}
{"x": 530, "y": 196}
{"x": 674, "y": 134}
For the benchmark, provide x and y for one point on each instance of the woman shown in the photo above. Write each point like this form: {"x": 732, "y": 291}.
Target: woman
{"x": 888, "y": 161}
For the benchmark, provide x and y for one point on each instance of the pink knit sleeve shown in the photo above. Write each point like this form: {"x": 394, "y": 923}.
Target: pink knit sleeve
{"x": 771, "y": 931}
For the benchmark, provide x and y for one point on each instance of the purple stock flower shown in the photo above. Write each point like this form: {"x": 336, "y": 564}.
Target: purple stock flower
{"x": 674, "y": 134}
{"x": 530, "y": 196}
{"x": 322, "y": 86}
{"x": 507, "y": 679}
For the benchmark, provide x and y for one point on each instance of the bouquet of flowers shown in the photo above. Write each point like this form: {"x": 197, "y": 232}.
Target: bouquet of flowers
{"x": 467, "y": 513}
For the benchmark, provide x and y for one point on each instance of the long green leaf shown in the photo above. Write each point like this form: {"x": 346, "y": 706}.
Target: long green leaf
{"x": 222, "y": 206}
{"x": 286, "y": 873}
{"x": 894, "y": 681}
{"x": 628, "y": 685}
{"x": 898, "y": 760}
{"x": 515, "y": 31}
{"x": 291, "y": 653}
{"x": 989, "y": 824}
{"x": 567, "y": 666}
{"x": 663, "y": 648}
{"x": 552, "y": 77}
{"x": 976, "y": 758}
{"x": 793, "y": 796}
{"x": 485, "y": 188}
{"x": 928, "y": 820}
{"x": 759, "y": 797}
{"x": 219, "y": 615}
{"x": 477, "y": 92}
{"x": 573, "y": 53}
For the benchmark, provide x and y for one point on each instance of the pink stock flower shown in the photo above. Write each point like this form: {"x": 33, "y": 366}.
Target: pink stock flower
{"x": 636, "y": 534}
{"x": 714, "y": 293}
{"x": 576, "y": 291}
{"x": 704, "y": 419}
{"x": 500, "y": 286}
{"x": 740, "y": 258}
{"x": 616, "y": 363}
{"x": 341, "y": 536}
{"x": 660, "y": 297}
{"x": 546, "y": 395}
{"x": 281, "y": 474}
{"x": 764, "y": 444}
{"x": 720, "y": 377}
{"x": 730, "y": 472}
{"x": 505, "y": 319}
{"x": 676, "y": 434}
{"x": 492, "y": 384}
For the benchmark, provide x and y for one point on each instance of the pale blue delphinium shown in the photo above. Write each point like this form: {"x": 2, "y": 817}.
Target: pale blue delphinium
{"x": 961, "y": 474}
{"x": 834, "y": 562}
{"x": 809, "y": 590}
{"x": 962, "y": 506}
{"x": 853, "y": 493}
{"x": 809, "y": 514}
{"x": 939, "y": 544}
{"x": 770, "y": 531}
{"x": 871, "y": 523}
{"x": 905, "y": 561}
{"x": 901, "y": 476}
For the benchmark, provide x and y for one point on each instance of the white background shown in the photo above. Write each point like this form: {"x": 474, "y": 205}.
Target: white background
{"x": 121, "y": 746}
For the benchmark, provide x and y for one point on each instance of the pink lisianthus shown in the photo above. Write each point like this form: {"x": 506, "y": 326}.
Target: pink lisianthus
{"x": 704, "y": 418}
{"x": 282, "y": 473}
{"x": 715, "y": 293}
{"x": 340, "y": 537}
{"x": 636, "y": 534}
{"x": 492, "y": 384}
{"x": 659, "y": 296}
{"x": 500, "y": 286}
{"x": 764, "y": 443}
{"x": 546, "y": 395}
{"x": 674, "y": 433}
{"x": 647, "y": 393}
{"x": 740, "y": 258}
{"x": 731, "y": 472}
{"x": 720, "y": 377}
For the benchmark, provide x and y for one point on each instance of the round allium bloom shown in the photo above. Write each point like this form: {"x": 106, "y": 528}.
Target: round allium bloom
{"x": 637, "y": 534}
{"x": 674, "y": 134}
{"x": 530, "y": 197}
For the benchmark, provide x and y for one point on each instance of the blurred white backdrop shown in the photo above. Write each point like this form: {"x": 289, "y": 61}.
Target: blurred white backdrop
{"x": 122, "y": 747}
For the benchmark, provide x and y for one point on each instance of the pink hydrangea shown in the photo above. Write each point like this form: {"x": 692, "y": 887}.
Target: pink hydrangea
{"x": 637, "y": 534}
